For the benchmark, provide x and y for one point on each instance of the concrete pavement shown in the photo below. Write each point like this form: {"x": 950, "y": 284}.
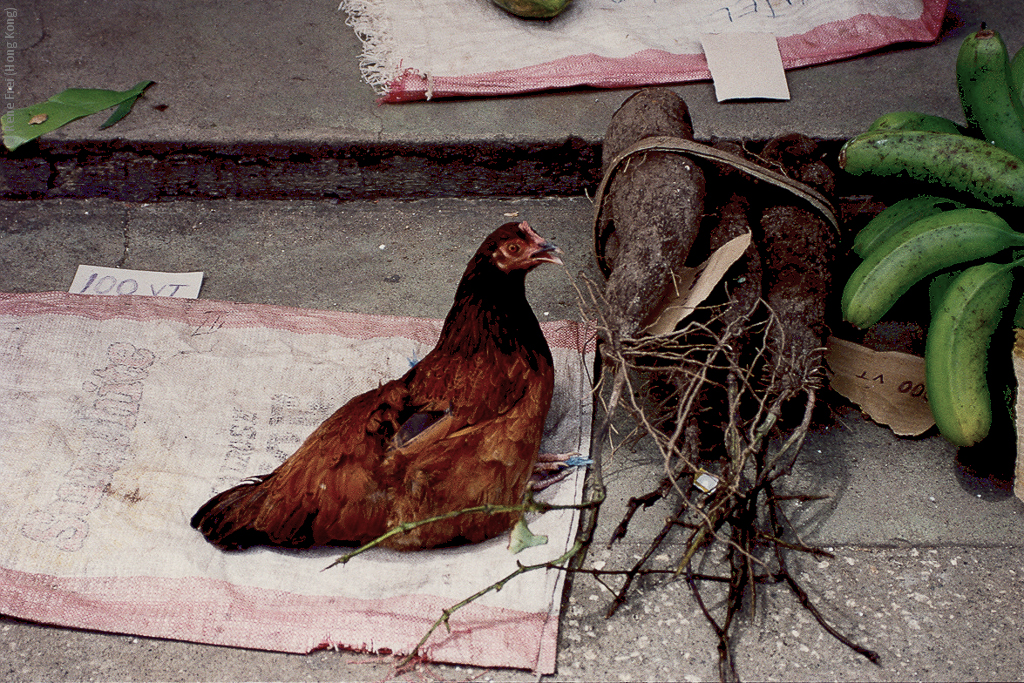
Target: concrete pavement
{"x": 928, "y": 572}
{"x": 289, "y": 177}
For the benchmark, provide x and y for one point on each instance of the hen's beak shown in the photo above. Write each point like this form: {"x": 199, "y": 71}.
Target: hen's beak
{"x": 545, "y": 251}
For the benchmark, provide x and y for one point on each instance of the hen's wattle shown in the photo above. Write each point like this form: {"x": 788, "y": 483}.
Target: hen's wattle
{"x": 462, "y": 428}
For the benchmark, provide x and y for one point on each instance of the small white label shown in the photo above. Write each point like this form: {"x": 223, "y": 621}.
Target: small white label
{"x": 118, "y": 281}
{"x": 706, "y": 482}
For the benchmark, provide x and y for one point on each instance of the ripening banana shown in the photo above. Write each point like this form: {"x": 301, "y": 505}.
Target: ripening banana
{"x": 913, "y": 120}
{"x": 926, "y": 246}
{"x": 966, "y": 164}
{"x": 987, "y": 93}
{"x": 897, "y": 217}
{"x": 956, "y": 351}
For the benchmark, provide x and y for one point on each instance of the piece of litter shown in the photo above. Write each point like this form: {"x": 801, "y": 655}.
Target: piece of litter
{"x": 706, "y": 481}
{"x": 578, "y": 461}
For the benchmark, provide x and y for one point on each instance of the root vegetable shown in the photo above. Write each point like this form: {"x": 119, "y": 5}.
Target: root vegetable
{"x": 653, "y": 211}
{"x": 799, "y": 251}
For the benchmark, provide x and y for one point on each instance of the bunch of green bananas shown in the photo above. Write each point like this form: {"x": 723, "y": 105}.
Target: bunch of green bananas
{"x": 926, "y": 236}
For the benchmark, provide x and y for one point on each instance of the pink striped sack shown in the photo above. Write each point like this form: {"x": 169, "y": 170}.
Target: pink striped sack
{"x": 460, "y": 48}
{"x": 119, "y": 416}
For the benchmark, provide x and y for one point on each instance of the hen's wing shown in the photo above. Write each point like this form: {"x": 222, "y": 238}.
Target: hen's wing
{"x": 333, "y": 473}
{"x": 452, "y": 433}
{"x": 482, "y": 452}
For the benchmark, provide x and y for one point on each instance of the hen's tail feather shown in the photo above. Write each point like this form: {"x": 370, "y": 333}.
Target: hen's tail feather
{"x": 229, "y": 519}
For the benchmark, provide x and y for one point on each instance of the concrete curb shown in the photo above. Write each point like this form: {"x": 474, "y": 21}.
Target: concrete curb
{"x": 150, "y": 171}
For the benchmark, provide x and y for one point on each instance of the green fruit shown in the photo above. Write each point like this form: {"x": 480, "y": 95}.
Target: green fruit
{"x": 956, "y": 351}
{"x": 938, "y": 287}
{"x": 1018, "y": 317}
{"x": 533, "y": 9}
{"x": 912, "y": 120}
{"x": 927, "y": 246}
{"x": 897, "y": 217}
{"x": 1017, "y": 75}
{"x": 986, "y": 93}
{"x": 991, "y": 174}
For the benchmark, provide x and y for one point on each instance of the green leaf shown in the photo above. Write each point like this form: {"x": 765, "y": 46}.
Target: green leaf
{"x": 65, "y": 107}
{"x": 521, "y": 538}
{"x": 119, "y": 113}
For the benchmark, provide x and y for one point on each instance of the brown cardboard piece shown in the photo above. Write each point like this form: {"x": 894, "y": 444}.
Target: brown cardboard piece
{"x": 745, "y": 65}
{"x": 888, "y": 386}
{"x": 693, "y": 286}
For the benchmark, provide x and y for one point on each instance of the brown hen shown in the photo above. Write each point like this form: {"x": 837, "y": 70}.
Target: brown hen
{"x": 462, "y": 428}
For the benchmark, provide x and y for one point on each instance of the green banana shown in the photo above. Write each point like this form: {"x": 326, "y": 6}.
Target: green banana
{"x": 991, "y": 174}
{"x": 1018, "y": 317}
{"x": 1017, "y": 74}
{"x": 938, "y": 286}
{"x": 897, "y": 217}
{"x": 929, "y": 245}
{"x": 986, "y": 93}
{"x": 533, "y": 9}
{"x": 912, "y": 120}
{"x": 956, "y": 351}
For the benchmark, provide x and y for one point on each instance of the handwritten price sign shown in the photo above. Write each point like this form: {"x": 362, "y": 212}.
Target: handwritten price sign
{"x": 887, "y": 385}
{"x": 118, "y": 281}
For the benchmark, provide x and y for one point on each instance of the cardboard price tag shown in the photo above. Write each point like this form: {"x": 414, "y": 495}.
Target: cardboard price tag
{"x": 121, "y": 281}
{"x": 888, "y": 386}
{"x": 745, "y": 65}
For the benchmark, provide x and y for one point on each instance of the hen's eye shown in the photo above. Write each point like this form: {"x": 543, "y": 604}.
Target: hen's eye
{"x": 513, "y": 248}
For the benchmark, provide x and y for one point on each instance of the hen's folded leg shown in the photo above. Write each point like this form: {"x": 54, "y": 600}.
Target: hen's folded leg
{"x": 552, "y": 468}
